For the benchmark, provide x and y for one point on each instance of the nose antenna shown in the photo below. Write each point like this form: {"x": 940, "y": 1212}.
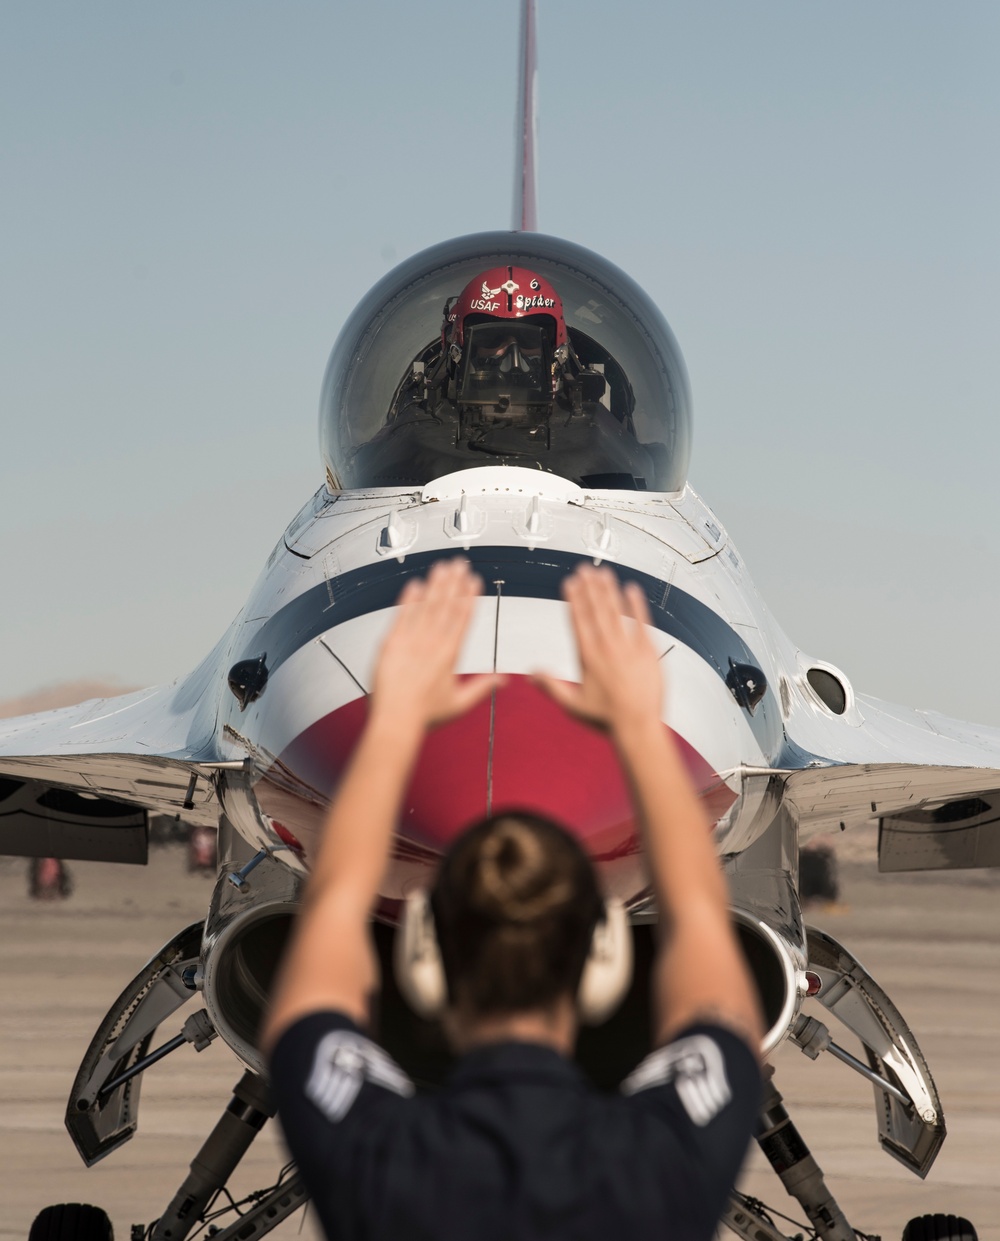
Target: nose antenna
{"x": 526, "y": 166}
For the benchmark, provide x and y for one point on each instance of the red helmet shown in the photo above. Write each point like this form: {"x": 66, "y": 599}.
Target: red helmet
{"x": 506, "y": 293}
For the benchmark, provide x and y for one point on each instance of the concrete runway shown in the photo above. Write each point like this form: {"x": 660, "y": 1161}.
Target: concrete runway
{"x": 66, "y": 962}
{"x": 932, "y": 942}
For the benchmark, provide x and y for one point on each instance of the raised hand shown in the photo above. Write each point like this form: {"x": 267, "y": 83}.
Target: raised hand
{"x": 620, "y": 672}
{"x": 415, "y": 680}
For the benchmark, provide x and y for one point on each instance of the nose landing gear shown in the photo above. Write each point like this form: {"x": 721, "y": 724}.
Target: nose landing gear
{"x": 193, "y": 1207}
{"x": 799, "y": 1172}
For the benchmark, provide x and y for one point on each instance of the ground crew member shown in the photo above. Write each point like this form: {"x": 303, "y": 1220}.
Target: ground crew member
{"x": 516, "y": 1146}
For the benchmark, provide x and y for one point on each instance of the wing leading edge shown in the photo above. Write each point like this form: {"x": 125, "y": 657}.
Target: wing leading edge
{"x": 931, "y": 783}
{"x": 80, "y": 782}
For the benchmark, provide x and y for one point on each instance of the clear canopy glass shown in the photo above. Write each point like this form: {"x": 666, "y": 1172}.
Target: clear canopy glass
{"x": 630, "y": 428}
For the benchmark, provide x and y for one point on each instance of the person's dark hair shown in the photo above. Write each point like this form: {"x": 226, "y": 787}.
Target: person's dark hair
{"x": 515, "y": 903}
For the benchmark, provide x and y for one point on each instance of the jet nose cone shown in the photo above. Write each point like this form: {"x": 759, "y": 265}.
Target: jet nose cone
{"x": 517, "y": 750}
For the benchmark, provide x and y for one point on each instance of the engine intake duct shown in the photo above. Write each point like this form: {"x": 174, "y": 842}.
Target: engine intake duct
{"x": 242, "y": 957}
{"x": 778, "y": 969}
{"x": 609, "y": 1052}
{"x": 240, "y": 964}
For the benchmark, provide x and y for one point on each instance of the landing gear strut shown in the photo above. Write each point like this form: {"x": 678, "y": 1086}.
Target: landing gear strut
{"x": 249, "y": 1110}
{"x": 799, "y": 1172}
{"x": 247, "y": 1113}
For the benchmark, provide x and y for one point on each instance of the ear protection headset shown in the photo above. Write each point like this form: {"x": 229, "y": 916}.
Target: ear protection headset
{"x": 421, "y": 978}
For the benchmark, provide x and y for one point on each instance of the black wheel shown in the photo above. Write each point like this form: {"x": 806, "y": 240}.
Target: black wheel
{"x": 939, "y": 1228}
{"x": 71, "y": 1221}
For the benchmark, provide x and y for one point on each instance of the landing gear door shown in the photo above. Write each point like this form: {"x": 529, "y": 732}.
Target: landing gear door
{"x": 100, "y": 1123}
{"x": 913, "y": 1135}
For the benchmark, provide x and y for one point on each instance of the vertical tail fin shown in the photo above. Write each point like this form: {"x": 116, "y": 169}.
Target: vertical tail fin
{"x": 525, "y": 202}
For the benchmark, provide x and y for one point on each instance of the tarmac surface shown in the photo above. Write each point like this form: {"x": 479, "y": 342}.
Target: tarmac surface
{"x": 933, "y": 942}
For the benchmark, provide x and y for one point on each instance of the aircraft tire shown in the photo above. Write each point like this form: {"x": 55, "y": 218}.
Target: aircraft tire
{"x": 71, "y": 1221}
{"x": 939, "y": 1228}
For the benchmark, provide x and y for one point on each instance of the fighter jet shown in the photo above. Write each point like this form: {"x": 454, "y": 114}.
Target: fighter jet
{"x": 513, "y": 398}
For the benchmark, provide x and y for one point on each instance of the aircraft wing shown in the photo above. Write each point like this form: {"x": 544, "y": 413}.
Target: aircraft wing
{"x": 932, "y": 784}
{"x": 80, "y": 782}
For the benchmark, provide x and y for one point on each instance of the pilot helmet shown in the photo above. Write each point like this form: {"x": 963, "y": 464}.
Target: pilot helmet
{"x": 504, "y": 332}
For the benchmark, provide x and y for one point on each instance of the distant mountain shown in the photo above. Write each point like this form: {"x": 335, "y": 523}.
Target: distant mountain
{"x": 63, "y": 695}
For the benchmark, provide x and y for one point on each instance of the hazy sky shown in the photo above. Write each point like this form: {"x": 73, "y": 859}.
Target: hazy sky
{"x": 193, "y": 197}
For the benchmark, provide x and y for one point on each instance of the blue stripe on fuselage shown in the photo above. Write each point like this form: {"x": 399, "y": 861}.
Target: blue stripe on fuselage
{"x": 524, "y": 574}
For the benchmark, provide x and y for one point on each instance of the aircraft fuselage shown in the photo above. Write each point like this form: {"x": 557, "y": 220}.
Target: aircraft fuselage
{"x": 327, "y": 598}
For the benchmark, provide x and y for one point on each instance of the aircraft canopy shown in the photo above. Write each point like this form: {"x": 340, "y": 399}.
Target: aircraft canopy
{"x": 395, "y": 412}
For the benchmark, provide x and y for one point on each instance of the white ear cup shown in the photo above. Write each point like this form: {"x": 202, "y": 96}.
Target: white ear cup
{"x": 420, "y": 971}
{"x": 417, "y": 958}
{"x": 608, "y": 970}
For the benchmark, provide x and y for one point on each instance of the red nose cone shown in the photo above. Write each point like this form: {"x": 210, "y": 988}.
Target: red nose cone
{"x": 522, "y": 751}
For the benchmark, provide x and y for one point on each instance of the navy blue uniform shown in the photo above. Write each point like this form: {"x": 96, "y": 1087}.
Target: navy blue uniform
{"x": 516, "y": 1146}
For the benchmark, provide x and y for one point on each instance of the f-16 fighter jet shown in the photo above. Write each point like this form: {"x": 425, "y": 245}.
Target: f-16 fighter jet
{"x": 516, "y": 399}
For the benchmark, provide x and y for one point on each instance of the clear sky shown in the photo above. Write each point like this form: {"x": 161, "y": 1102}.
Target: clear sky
{"x": 193, "y": 197}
